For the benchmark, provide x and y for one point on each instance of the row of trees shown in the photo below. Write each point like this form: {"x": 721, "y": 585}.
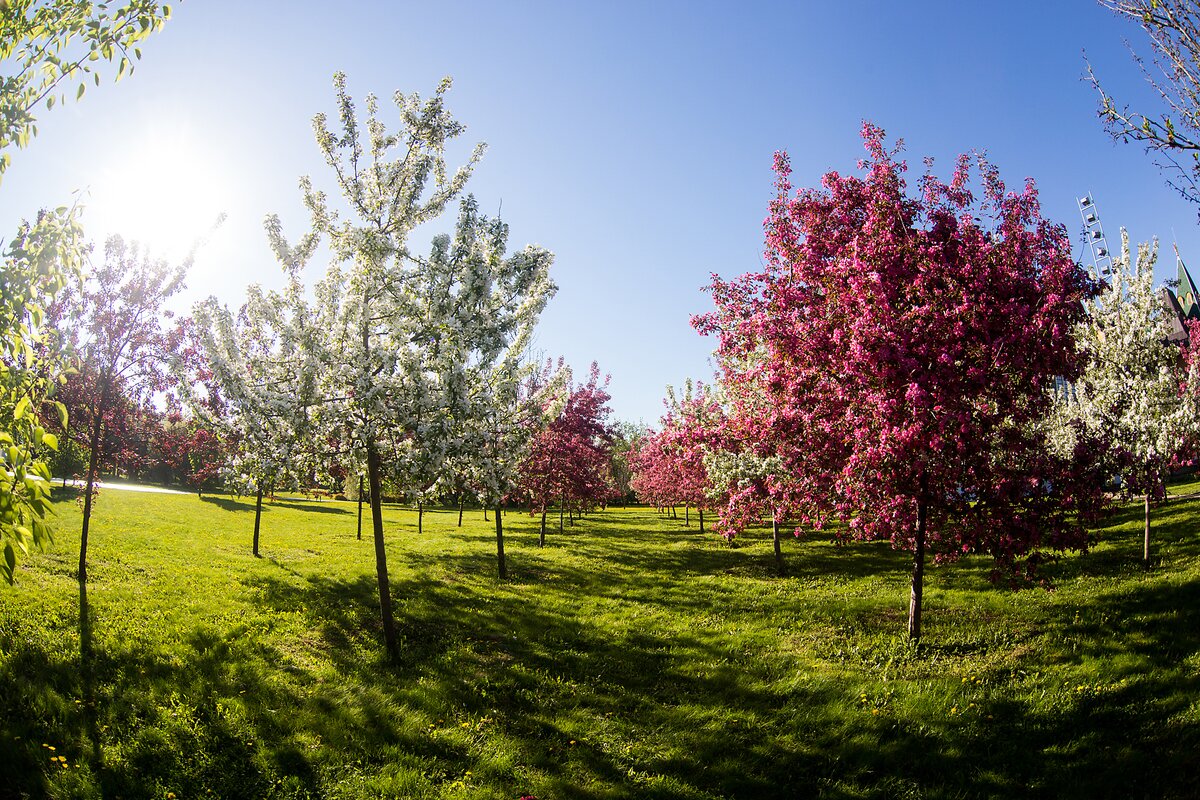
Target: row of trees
{"x": 397, "y": 368}
{"x": 932, "y": 370}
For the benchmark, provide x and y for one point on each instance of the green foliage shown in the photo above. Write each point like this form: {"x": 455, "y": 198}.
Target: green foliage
{"x": 36, "y": 265}
{"x": 628, "y": 659}
{"x": 49, "y": 48}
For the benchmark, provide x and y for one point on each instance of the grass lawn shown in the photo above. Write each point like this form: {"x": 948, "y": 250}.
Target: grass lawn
{"x": 630, "y": 658}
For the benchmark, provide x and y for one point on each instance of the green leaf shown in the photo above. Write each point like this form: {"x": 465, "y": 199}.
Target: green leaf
{"x": 22, "y": 405}
{"x": 79, "y": 91}
{"x": 51, "y": 441}
{"x": 10, "y": 561}
{"x": 61, "y": 409}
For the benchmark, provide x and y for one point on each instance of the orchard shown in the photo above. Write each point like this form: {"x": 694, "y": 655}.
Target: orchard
{"x": 915, "y": 514}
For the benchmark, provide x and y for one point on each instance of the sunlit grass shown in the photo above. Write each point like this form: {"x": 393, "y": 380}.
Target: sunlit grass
{"x": 631, "y": 657}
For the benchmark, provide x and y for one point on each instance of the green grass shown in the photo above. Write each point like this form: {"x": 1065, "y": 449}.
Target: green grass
{"x": 631, "y": 657}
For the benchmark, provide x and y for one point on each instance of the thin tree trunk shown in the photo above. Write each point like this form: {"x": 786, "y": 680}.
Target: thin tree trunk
{"x": 778, "y": 550}
{"x": 360, "y": 505}
{"x": 1146, "y": 539}
{"x": 460, "y": 509}
{"x": 485, "y": 516}
{"x": 257, "y": 517}
{"x": 700, "y": 511}
{"x": 542, "y": 535}
{"x": 93, "y": 467}
{"x": 918, "y": 575}
{"x": 687, "y": 515}
{"x": 391, "y": 641}
{"x": 500, "y": 544}
{"x": 420, "y": 517}
{"x": 562, "y": 505}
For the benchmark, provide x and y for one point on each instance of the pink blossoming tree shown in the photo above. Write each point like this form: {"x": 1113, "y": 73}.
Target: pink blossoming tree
{"x": 897, "y": 352}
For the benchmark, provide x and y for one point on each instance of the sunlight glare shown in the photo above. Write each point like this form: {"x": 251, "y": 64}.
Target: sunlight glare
{"x": 165, "y": 191}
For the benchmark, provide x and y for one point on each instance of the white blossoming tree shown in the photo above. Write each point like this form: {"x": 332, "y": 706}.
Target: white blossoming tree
{"x": 1131, "y": 392}
{"x": 496, "y": 305}
{"x": 263, "y": 387}
{"x": 403, "y": 336}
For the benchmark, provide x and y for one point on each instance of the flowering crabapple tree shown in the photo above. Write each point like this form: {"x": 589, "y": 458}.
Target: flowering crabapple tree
{"x": 1128, "y": 395}
{"x": 655, "y": 477}
{"x": 261, "y": 387}
{"x": 400, "y": 332}
{"x": 569, "y": 459}
{"x": 113, "y": 324}
{"x": 690, "y": 431}
{"x": 910, "y": 342}
{"x": 492, "y": 304}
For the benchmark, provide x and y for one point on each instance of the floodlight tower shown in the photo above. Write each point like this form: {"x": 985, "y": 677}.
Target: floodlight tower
{"x": 1094, "y": 231}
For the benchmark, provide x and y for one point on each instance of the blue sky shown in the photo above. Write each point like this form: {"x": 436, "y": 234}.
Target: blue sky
{"x": 634, "y": 139}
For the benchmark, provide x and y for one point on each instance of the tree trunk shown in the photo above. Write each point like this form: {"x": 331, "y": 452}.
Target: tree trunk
{"x": 918, "y": 575}
{"x": 460, "y": 510}
{"x": 93, "y": 467}
{"x": 700, "y": 512}
{"x": 687, "y": 515}
{"x": 257, "y": 518}
{"x": 360, "y": 504}
{"x": 1146, "y": 538}
{"x": 390, "y": 639}
{"x": 500, "y": 544}
{"x": 420, "y": 517}
{"x": 542, "y": 535}
{"x": 485, "y": 516}
{"x": 562, "y": 505}
{"x": 778, "y": 550}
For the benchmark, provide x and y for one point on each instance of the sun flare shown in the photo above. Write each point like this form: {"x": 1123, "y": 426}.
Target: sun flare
{"x": 165, "y": 190}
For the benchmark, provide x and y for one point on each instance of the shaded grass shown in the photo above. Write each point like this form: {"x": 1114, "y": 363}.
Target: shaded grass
{"x": 629, "y": 658}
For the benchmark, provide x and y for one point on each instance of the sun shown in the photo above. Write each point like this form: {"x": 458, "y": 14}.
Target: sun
{"x": 165, "y": 189}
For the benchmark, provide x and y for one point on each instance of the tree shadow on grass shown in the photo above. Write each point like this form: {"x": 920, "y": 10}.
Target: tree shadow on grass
{"x": 678, "y": 714}
{"x": 230, "y": 503}
{"x": 312, "y": 506}
{"x": 524, "y": 680}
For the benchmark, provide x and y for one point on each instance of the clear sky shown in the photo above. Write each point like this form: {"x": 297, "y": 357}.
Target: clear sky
{"x": 634, "y": 139}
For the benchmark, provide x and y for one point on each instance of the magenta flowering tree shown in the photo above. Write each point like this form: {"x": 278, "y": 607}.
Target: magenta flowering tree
{"x": 892, "y": 361}
{"x": 656, "y": 476}
{"x": 569, "y": 460}
{"x": 691, "y": 431}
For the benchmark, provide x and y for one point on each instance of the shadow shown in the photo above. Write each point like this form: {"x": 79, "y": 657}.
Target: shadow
{"x": 313, "y": 506}
{"x": 230, "y": 504}
{"x": 609, "y": 668}
{"x": 87, "y": 672}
